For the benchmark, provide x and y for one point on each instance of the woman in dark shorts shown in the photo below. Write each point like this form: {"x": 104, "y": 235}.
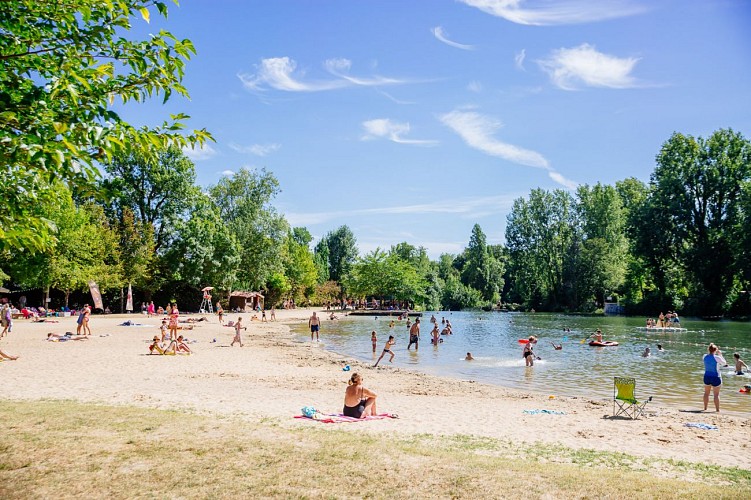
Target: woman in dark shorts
{"x": 713, "y": 361}
{"x": 359, "y": 402}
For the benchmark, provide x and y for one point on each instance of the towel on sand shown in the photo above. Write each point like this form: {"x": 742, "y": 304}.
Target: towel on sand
{"x": 338, "y": 418}
{"x": 699, "y": 425}
{"x": 547, "y": 412}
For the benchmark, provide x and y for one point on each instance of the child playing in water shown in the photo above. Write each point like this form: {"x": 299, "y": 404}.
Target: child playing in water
{"x": 387, "y": 349}
{"x": 238, "y": 327}
{"x": 469, "y": 357}
{"x": 557, "y": 347}
{"x": 739, "y": 364}
{"x": 374, "y": 340}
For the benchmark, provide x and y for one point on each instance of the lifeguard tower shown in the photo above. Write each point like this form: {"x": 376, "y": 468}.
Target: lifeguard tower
{"x": 206, "y": 306}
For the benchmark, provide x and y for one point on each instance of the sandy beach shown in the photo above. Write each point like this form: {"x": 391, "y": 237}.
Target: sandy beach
{"x": 273, "y": 376}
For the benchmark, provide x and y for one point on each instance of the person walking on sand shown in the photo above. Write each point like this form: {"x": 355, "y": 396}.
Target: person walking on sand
{"x": 374, "y": 340}
{"x": 713, "y": 360}
{"x": 314, "y": 323}
{"x": 220, "y": 312}
{"x": 238, "y": 326}
{"x": 273, "y": 313}
{"x": 387, "y": 349}
{"x": 414, "y": 335}
{"x": 6, "y": 317}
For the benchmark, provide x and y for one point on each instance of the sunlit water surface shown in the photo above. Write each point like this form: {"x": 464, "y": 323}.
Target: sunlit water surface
{"x": 673, "y": 377}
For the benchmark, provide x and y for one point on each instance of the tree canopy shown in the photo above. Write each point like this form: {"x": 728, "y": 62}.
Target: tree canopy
{"x": 63, "y": 66}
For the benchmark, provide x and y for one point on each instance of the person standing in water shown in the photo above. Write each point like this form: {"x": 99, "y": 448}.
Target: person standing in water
{"x": 374, "y": 340}
{"x": 414, "y": 335}
{"x": 314, "y": 323}
{"x": 527, "y": 353}
{"x": 713, "y": 360}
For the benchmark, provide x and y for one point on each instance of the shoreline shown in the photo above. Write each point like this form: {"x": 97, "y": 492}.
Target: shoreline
{"x": 275, "y": 375}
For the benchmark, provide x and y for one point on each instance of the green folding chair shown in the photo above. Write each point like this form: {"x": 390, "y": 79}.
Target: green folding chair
{"x": 624, "y": 400}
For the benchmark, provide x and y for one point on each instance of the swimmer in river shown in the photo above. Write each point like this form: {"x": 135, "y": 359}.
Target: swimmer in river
{"x": 469, "y": 357}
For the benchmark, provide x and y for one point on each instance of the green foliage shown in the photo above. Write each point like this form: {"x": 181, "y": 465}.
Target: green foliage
{"x": 63, "y": 65}
{"x": 157, "y": 186}
{"x": 85, "y": 248}
{"x": 693, "y": 218}
{"x": 299, "y": 266}
{"x": 539, "y": 235}
{"x": 341, "y": 251}
{"x": 204, "y": 251}
{"x": 244, "y": 202}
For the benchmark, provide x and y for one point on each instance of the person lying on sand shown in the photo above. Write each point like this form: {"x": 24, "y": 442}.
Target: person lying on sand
{"x": 53, "y": 337}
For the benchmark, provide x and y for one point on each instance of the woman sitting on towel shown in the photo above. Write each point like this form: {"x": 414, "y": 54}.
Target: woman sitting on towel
{"x": 359, "y": 402}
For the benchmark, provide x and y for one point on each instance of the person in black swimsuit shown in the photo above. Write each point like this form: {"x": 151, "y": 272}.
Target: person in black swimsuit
{"x": 387, "y": 349}
{"x": 414, "y": 334}
{"x": 359, "y": 402}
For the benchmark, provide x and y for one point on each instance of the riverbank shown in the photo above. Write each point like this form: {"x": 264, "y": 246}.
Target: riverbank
{"x": 273, "y": 376}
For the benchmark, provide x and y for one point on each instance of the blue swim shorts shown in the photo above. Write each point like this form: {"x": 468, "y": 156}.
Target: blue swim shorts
{"x": 713, "y": 380}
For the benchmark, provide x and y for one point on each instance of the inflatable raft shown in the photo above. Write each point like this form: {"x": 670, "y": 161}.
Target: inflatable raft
{"x": 660, "y": 329}
{"x": 608, "y": 343}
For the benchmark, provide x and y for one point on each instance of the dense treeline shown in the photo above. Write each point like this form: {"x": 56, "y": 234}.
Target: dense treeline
{"x": 88, "y": 196}
{"x": 679, "y": 242}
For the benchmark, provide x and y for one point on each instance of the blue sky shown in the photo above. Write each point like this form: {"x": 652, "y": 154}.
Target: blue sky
{"x": 414, "y": 120}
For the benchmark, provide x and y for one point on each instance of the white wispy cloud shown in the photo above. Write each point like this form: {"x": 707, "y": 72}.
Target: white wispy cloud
{"x": 519, "y": 59}
{"x": 255, "y": 149}
{"x": 560, "y": 179}
{"x": 384, "y": 128}
{"x": 474, "y": 86}
{"x": 468, "y": 207}
{"x": 547, "y": 12}
{"x": 228, "y": 173}
{"x": 203, "y": 152}
{"x": 477, "y": 131}
{"x": 441, "y": 36}
{"x": 281, "y": 73}
{"x": 571, "y": 68}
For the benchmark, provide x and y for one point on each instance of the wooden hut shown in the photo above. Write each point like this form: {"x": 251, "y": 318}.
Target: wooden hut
{"x": 245, "y": 301}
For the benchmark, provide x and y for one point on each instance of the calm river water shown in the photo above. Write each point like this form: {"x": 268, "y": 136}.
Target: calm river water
{"x": 673, "y": 377}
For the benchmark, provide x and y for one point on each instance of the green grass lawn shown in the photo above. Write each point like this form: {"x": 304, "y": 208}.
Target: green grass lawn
{"x": 59, "y": 449}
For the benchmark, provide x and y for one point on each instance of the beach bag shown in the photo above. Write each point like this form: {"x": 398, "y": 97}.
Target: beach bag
{"x": 309, "y": 411}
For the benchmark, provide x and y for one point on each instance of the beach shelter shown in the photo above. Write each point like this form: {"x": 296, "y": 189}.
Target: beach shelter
{"x": 245, "y": 300}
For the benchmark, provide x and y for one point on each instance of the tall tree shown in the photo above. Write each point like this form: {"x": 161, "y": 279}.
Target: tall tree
{"x": 63, "y": 66}
{"x": 204, "y": 251}
{"x": 698, "y": 185}
{"x": 342, "y": 251}
{"x": 244, "y": 206}
{"x": 539, "y": 236}
{"x": 604, "y": 244}
{"x": 157, "y": 187}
